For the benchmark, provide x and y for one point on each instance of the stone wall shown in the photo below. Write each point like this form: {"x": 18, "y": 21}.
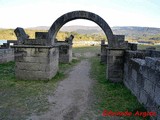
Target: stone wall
{"x": 142, "y": 77}
{"x": 6, "y": 55}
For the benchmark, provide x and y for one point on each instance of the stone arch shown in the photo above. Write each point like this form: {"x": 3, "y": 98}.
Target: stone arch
{"x": 80, "y": 15}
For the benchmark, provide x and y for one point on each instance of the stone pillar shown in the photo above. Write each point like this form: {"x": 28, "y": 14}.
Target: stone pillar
{"x": 65, "y": 53}
{"x": 115, "y": 65}
{"x": 36, "y": 62}
{"x": 103, "y": 52}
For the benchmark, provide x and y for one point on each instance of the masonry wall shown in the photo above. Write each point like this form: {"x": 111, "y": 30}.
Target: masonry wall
{"x": 142, "y": 77}
{"x": 6, "y": 55}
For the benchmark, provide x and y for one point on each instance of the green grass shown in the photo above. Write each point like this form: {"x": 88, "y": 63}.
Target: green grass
{"x": 111, "y": 96}
{"x": 20, "y": 98}
{"x": 92, "y": 49}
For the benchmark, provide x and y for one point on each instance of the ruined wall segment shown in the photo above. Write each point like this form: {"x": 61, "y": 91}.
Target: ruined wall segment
{"x": 142, "y": 77}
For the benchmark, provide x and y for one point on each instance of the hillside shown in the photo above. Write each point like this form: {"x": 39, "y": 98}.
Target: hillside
{"x": 92, "y": 33}
{"x": 128, "y": 31}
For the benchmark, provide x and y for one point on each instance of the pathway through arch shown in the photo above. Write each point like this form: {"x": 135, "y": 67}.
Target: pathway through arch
{"x": 71, "y": 96}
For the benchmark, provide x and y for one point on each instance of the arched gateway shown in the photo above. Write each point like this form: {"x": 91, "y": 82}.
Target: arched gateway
{"x": 79, "y": 15}
{"x": 43, "y": 52}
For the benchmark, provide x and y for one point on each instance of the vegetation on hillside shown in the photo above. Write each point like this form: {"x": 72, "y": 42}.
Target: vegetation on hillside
{"x": 8, "y": 34}
{"x": 132, "y": 34}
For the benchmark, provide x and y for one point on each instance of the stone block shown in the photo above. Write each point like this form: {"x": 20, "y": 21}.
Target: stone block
{"x": 115, "y": 52}
{"x": 34, "y": 66}
{"x": 37, "y": 63}
{"x": 149, "y": 87}
{"x": 144, "y": 72}
{"x": 158, "y": 79}
{"x": 21, "y": 35}
{"x": 65, "y": 53}
{"x": 143, "y": 97}
{"x": 157, "y": 95}
{"x": 134, "y": 75}
{"x": 154, "y": 53}
{"x": 41, "y": 35}
{"x": 115, "y": 65}
{"x": 151, "y": 62}
{"x": 34, "y": 75}
{"x": 137, "y": 90}
{"x": 132, "y": 46}
{"x": 158, "y": 65}
{"x": 140, "y": 80}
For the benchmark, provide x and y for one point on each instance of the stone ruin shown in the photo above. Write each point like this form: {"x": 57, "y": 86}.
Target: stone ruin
{"x": 6, "y": 52}
{"x": 139, "y": 70}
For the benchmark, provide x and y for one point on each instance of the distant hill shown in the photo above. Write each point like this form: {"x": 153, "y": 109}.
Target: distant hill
{"x": 39, "y": 28}
{"x": 129, "y": 31}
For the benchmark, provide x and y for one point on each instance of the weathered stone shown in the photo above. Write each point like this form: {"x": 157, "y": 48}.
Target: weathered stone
{"x": 115, "y": 65}
{"x": 132, "y": 46}
{"x": 104, "y": 53}
{"x": 65, "y": 52}
{"x": 69, "y": 40}
{"x": 6, "y": 55}
{"x": 149, "y": 87}
{"x": 21, "y": 35}
{"x": 36, "y": 63}
{"x": 151, "y": 48}
{"x": 41, "y": 42}
{"x": 102, "y": 42}
{"x": 41, "y": 35}
{"x": 157, "y": 95}
{"x": 143, "y": 97}
{"x": 151, "y": 62}
{"x": 80, "y": 15}
{"x": 134, "y": 75}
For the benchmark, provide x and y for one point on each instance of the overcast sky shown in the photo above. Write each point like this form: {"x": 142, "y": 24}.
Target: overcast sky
{"x": 31, "y": 13}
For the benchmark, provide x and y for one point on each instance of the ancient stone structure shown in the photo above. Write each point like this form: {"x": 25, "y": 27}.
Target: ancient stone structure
{"x": 116, "y": 43}
{"x": 65, "y": 50}
{"x": 6, "y": 55}
{"x": 80, "y": 15}
{"x": 139, "y": 69}
{"x": 37, "y": 61}
{"x": 115, "y": 50}
{"x": 103, "y": 52}
{"x": 142, "y": 77}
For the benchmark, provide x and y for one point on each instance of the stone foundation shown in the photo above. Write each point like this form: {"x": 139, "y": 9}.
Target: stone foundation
{"x": 36, "y": 62}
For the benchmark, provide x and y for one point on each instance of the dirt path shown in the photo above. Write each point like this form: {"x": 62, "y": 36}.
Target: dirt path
{"x": 71, "y": 96}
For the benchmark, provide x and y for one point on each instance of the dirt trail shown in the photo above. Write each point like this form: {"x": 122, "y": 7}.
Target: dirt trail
{"x": 71, "y": 96}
